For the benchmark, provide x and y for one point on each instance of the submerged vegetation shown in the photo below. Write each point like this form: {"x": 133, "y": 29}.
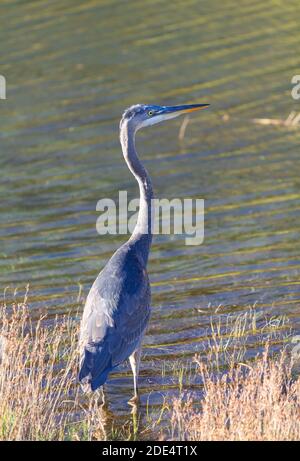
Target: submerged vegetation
{"x": 253, "y": 399}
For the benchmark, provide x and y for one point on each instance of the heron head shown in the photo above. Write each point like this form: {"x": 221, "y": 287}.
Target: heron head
{"x": 141, "y": 115}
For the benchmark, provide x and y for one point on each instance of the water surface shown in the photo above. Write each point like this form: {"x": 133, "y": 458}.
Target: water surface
{"x": 71, "y": 69}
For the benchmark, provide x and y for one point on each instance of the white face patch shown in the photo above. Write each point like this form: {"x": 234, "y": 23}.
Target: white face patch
{"x": 158, "y": 118}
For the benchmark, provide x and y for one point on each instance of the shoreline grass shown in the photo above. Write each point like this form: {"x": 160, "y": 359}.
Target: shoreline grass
{"x": 40, "y": 398}
{"x": 34, "y": 390}
{"x": 259, "y": 401}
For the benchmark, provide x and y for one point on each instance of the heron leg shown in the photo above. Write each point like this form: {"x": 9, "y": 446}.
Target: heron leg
{"x": 134, "y": 360}
{"x": 99, "y": 398}
{"x": 102, "y": 396}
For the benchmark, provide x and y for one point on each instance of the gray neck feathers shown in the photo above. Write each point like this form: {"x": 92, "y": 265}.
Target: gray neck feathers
{"x": 142, "y": 234}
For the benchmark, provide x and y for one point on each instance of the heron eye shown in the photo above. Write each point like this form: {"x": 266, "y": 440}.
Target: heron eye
{"x": 150, "y": 113}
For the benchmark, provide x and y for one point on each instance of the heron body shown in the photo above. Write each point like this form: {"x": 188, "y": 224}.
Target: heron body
{"x": 117, "y": 308}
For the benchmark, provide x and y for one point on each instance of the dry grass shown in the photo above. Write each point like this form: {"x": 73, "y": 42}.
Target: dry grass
{"x": 292, "y": 121}
{"x": 254, "y": 401}
{"x": 40, "y": 398}
{"x": 36, "y": 393}
{"x": 242, "y": 399}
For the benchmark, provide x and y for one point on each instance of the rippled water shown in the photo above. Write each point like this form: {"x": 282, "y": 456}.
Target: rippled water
{"x": 71, "y": 69}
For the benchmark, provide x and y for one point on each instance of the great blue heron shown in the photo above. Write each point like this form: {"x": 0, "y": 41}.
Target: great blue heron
{"x": 117, "y": 308}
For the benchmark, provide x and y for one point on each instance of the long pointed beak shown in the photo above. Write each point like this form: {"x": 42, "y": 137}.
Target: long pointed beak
{"x": 183, "y": 109}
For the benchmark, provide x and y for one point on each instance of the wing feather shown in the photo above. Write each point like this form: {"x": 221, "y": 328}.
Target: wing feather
{"x": 115, "y": 316}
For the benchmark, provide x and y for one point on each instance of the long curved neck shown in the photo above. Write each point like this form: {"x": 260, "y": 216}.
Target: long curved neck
{"x": 142, "y": 234}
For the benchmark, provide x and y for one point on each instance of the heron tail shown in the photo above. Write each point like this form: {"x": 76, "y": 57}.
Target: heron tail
{"x": 96, "y": 364}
